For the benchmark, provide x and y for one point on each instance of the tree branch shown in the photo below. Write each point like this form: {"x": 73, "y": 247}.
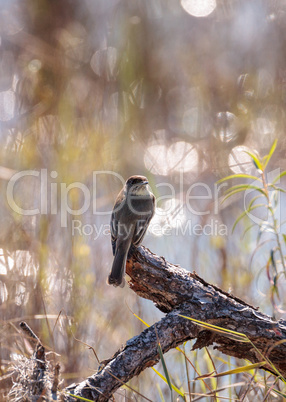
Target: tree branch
{"x": 176, "y": 291}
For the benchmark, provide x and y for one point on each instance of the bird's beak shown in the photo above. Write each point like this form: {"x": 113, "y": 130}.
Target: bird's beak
{"x": 145, "y": 182}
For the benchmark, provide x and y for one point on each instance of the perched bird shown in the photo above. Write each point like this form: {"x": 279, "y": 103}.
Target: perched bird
{"x": 132, "y": 212}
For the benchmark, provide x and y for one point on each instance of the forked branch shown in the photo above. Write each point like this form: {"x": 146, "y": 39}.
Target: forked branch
{"x": 176, "y": 292}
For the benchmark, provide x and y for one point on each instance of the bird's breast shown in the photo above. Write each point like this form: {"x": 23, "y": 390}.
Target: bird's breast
{"x": 136, "y": 207}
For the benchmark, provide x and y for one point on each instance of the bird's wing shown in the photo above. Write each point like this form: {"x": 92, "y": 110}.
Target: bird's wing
{"x": 113, "y": 231}
{"x": 114, "y": 220}
{"x": 142, "y": 226}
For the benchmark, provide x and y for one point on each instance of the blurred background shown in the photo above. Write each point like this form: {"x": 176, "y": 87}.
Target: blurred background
{"x": 93, "y": 91}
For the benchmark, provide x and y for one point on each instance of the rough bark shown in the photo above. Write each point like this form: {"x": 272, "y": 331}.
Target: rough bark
{"x": 177, "y": 291}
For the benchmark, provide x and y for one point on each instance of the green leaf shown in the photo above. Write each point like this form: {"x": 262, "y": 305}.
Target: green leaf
{"x": 284, "y": 237}
{"x": 256, "y": 160}
{"x": 280, "y": 189}
{"x": 278, "y": 177}
{"x": 254, "y": 199}
{"x": 273, "y": 259}
{"x": 244, "y": 213}
{"x": 277, "y": 188}
{"x": 164, "y": 379}
{"x": 268, "y": 271}
{"x": 249, "y": 209}
{"x": 229, "y": 195}
{"x": 239, "y": 176}
{"x": 247, "y": 229}
{"x": 237, "y": 220}
{"x": 238, "y": 189}
{"x": 164, "y": 366}
{"x": 245, "y": 187}
{"x": 268, "y": 157}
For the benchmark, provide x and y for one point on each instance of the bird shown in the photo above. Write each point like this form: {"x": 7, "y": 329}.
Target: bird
{"x": 132, "y": 212}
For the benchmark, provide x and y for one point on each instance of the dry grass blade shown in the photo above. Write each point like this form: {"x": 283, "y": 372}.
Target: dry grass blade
{"x": 234, "y": 371}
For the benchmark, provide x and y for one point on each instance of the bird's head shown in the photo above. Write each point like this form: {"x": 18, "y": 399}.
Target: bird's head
{"x": 137, "y": 185}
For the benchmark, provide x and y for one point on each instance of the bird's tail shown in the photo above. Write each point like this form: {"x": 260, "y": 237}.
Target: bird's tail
{"x": 116, "y": 276}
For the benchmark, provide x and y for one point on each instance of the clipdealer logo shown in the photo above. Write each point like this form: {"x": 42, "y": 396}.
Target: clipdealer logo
{"x": 50, "y": 192}
{"x": 54, "y": 197}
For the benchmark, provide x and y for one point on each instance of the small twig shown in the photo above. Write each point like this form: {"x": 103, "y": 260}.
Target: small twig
{"x": 39, "y": 357}
{"x": 56, "y": 380}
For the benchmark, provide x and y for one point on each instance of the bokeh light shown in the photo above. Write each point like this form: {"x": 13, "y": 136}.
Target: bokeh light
{"x": 239, "y": 161}
{"x": 199, "y": 8}
{"x": 7, "y": 105}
